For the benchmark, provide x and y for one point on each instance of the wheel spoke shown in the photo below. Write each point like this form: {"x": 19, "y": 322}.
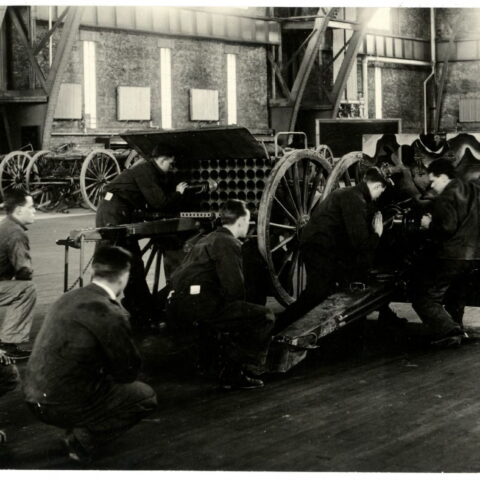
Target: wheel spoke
{"x": 316, "y": 183}
{"x": 290, "y": 194}
{"x": 291, "y": 271}
{"x": 306, "y": 169}
{"x": 281, "y": 225}
{"x": 296, "y": 187}
{"x": 285, "y": 209}
{"x": 283, "y": 243}
{"x": 284, "y": 263}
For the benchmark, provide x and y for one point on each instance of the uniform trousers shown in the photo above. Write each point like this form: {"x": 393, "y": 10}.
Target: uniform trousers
{"x": 114, "y": 409}
{"x": 250, "y": 324}
{"x": 439, "y": 293}
{"x": 20, "y": 297}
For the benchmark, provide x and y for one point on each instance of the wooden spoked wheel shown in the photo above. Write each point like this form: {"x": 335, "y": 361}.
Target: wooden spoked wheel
{"x": 348, "y": 172}
{"x": 325, "y": 152}
{"x": 40, "y": 170}
{"x": 13, "y": 168}
{"x": 293, "y": 188}
{"x": 99, "y": 168}
{"x": 132, "y": 159}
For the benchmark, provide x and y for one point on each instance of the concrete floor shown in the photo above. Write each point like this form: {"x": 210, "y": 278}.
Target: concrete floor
{"x": 370, "y": 399}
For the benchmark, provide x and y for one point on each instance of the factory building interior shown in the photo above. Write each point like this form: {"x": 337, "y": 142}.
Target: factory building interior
{"x": 282, "y": 109}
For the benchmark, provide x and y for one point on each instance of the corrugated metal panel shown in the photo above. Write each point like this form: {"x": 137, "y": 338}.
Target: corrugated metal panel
{"x": 133, "y": 103}
{"x": 469, "y": 110}
{"x": 204, "y": 105}
{"x": 176, "y": 21}
{"x": 69, "y": 104}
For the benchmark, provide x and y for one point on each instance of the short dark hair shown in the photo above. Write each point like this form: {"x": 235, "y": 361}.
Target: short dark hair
{"x": 442, "y": 166}
{"x": 110, "y": 262}
{"x": 160, "y": 150}
{"x": 14, "y": 199}
{"x": 231, "y": 211}
{"x": 374, "y": 175}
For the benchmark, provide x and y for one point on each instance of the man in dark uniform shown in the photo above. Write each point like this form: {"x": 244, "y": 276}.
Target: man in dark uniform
{"x": 8, "y": 380}
{"x": 209, "y": 289}
{"x": 338, "y": 243}
{"x": 142, "y": 187}
{"x": 82, "y": 373}
{"x": 440, "y": 279}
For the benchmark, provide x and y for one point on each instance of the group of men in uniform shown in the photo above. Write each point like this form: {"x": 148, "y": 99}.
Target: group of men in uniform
{"x": 82, "y": 373}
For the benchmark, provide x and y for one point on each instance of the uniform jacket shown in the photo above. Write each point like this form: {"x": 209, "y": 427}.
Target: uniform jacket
{"x": 341, "y": 225}
{"x": 143, "y": 185}
{"x": 214, "y": 263}
{"x": 84, "y": 342}
{"x": 15, "y": 259}
{"x": 455, "y": 226}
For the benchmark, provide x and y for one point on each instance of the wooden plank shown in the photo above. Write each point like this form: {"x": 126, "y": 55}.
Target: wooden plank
{"x": 23, "y": 96}
{"x": 278, "y": 74}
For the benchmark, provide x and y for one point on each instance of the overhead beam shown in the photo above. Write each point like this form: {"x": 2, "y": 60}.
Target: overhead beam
{"x": 26, "y": 44}
{"x": 60, "y": 62}
{"x": 3, "y": 10}
{"x": 47, "y": 36}
{"x": 278, "y": 74}
{"x": 308, "y": 25}
{"x": 316, "y": 40}
{"x": 350, "y": 58}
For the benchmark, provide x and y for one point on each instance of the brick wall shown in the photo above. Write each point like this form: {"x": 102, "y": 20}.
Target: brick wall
{"x": 463, "y": 78}
{"x": 126, "y": 59}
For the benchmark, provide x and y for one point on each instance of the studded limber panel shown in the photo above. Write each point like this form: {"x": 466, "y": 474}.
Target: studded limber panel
{"x": 242, "y": 179}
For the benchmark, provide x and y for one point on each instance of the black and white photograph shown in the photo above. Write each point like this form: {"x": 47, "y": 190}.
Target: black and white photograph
{"x": 239, "y": 238}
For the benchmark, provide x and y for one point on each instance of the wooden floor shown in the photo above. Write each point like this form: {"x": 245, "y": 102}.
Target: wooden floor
{"x": 371, "y": 399}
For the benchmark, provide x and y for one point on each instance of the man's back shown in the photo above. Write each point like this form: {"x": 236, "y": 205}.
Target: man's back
{"x": 341, "y": 224}
{"x": 456, "y": 222}
{"x": 14, "y": 249}
{"x": 85, "y": 337}
{"x": 215, "y": 263}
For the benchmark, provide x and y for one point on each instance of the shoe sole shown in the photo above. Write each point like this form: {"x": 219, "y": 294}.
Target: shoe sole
{"x": 455, "y": 341}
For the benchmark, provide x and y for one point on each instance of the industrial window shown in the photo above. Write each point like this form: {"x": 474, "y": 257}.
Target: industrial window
{"x": 204, "y": 105}
{"x": 231, "y": 88}
{"x": 69, "y": 104}
{"x": 166, "y": 87}
{"x": 469, "y": 110}
{"x": 381, "y": 20}
{"x": 133, "y": 103}
{"x": 89, "y": 84}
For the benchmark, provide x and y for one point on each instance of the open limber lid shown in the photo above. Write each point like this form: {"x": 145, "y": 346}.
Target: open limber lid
{"x": 197, "y": 143}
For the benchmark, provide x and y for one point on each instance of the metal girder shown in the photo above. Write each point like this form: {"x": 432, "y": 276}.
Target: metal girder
{"x": 60, "y": 61}
{"x": 350, "y": 58}
{"x": 46, "y": 37}
{"x": 21, "y": 30}
{"x": 320, "y": 27}
{"x": 2, "y": 14}
{"x": 443, "y": 77}
{"x": 279, "y": 76}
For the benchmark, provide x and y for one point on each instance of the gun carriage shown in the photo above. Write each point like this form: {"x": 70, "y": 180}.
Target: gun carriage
{"x": 280, "y": 189}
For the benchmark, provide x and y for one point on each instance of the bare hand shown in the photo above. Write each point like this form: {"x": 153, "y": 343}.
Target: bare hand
{"x": 212, "y": 185}
{"x": 377, "y": 223}
{"x": 426, "y": 221}
{"x": 181, "y": 187}
{"x": 4, "y": 359}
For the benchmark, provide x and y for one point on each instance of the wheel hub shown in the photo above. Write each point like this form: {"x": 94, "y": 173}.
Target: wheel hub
{"x": 303, "y": 220}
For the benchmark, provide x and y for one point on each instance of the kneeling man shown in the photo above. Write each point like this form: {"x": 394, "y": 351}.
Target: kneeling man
{"x": 209, "y": 290}
{"x": 82, "y": 373}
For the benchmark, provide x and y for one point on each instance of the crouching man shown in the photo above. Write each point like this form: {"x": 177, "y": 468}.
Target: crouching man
{"x": 209, "y": 290}
{"x": 82, "y": 373}
{"x": 8, "y": 380}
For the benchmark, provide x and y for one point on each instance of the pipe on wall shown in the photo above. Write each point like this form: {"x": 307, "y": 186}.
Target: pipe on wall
{"x": 401, "y": 61}
{"x": 432, "y": 73}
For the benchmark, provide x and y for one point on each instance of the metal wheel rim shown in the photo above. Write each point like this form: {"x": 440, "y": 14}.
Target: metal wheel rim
{"x": 307, "y": 201}
{"x": 9, "y": 165}
{"x": 326, "y": 152}
{"x": 91, "y": 186}
{"x": 44, "y": 198}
